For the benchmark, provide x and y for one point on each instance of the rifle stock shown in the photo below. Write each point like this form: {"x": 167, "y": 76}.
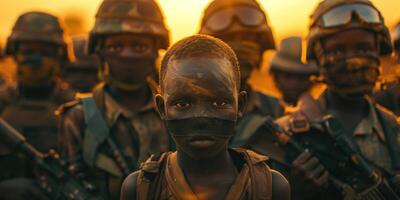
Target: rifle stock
{"x": 53, "y": 176}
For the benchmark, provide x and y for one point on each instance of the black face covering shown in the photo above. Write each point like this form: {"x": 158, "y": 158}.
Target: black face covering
{"x": 352, "y": 76}
{"x": 201, "y": 126}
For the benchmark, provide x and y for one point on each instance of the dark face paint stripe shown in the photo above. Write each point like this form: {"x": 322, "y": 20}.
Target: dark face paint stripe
{"x": 201, "y": 126}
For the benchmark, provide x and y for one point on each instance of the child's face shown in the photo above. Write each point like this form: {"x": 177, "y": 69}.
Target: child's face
{"x": 200, "y": 104}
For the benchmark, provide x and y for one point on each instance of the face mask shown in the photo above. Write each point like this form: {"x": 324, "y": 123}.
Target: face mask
{"x": 198, "y": 126}
{"x": 130, "y": 74}
{"x": 352, "y": 76}
{"x": 249, "y": 55}
{"x": 35, "y": 70}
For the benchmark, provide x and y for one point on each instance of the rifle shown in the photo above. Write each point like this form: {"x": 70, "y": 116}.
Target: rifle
{"x": 53, "y": 176}
{"x": 357, "y": 178}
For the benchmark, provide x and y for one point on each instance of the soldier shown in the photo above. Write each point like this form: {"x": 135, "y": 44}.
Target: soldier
{"x": 39, "y": 47}
{"x": 243, "y": 25}
{"x": 82, "y": 74}
{"x": 389, "y": 97}
{"x": 291, "y": 75}
{"x": 104, "y": 136}
{"x": 346, "y": 38}
{"x": 200, "y": 102}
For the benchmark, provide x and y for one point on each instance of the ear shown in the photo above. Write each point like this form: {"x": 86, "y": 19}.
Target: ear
{"x": 242, "y": 103}
{"x": 160, "y": 105}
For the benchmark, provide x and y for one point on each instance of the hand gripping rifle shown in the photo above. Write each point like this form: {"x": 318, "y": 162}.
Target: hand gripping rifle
{"x": 350, "y": 172}
{"x": 53, "y": 176}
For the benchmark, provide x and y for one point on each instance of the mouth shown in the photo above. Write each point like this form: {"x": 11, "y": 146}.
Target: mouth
{"x": 202, "y": 141}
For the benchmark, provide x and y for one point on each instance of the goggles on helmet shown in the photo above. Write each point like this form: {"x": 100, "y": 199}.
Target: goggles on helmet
{"x": 246, "y": 15}
{"x": 342, "y": 15}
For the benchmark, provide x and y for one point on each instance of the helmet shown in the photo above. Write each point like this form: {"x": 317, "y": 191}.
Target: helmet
{"x": 396, "y": 38}
{"x": 288, "y": 58}
{"x": 129, "y": 16}
{"x": 319, "y": 31}
{"x": 42, "y": 27}
{"x": 256, "y": 21}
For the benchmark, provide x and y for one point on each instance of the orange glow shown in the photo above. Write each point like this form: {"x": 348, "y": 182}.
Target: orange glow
{"x": 287, "y": 17}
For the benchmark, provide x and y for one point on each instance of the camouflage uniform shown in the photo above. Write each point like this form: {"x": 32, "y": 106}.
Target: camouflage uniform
{"x": 376, "y": 137}
{"x": 21, "y": 107}
{"x": 258, "y": 104}
{"x": 101, "y": 140}
{"x": 81, "y": 75}
{"x": 369, "y": 134}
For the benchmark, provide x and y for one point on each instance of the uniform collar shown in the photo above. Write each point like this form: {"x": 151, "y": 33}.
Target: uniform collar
{"x": 368, "y": 125}
{"x": 113, "y": 110}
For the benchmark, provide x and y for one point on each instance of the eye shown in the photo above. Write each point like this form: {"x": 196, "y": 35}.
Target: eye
{"x": 220, "y": 104}
{"x": 114, "y": 48}
{"x": 140, "y": 47}
{"x": 182, "y": 105}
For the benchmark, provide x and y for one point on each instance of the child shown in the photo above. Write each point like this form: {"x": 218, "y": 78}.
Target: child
{"x": 200, "y": 103}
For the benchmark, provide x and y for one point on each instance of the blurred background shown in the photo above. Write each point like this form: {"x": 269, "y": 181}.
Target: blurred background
{"x": 287, "y": 17}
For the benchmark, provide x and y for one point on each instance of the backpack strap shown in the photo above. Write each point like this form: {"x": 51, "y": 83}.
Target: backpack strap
{"x": 260, "y": 175}
{"x": 150, "y": 175}
{"x": 96, "y": 132}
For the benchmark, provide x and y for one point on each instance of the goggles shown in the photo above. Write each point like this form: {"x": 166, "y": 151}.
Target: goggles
{"x": 246, "y": 15}
{"x": 343, "y": 15}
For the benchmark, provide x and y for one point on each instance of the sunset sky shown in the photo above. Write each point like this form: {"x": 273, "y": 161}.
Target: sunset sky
{"x": 288, "y": 17}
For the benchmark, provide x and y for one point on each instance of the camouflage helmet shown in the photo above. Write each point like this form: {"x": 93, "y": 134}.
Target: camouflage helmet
{"x": 41, "y": 27}
{"x": 396, "y": 37}
{"x": 264, "y": 29}
{"x": 128, "y": 16}
{"x": 318, "y": 32}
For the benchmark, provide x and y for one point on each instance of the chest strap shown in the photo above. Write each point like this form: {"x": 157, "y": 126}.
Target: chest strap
{"x": 96, "y": 132}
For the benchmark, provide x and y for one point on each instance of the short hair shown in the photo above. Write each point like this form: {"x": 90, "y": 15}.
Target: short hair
{"x": 199, "y": 46}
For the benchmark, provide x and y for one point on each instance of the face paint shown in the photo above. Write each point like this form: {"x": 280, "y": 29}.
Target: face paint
{"x": 249, "y": 56}
{"x": 201, "y": 126}
{"x": 201, "y": 104}
{"x": 352, "y": 77}
{"x": 127, "y": 73}
{"x": 35, "y": 70}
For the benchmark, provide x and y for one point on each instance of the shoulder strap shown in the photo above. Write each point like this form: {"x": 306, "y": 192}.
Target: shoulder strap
{"x": 391, "y": 138}
{"x": 270, "y": 105}
{"x": 246, "y": 128}
{"x": 260, "y": 175}
{"x": 96, "y": 132}
{"x": 149, "y": 177}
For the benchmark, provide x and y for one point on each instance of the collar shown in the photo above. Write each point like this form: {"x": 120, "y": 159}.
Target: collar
{"x": 113, "y": 110}
{"x": 370, "y": 124}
